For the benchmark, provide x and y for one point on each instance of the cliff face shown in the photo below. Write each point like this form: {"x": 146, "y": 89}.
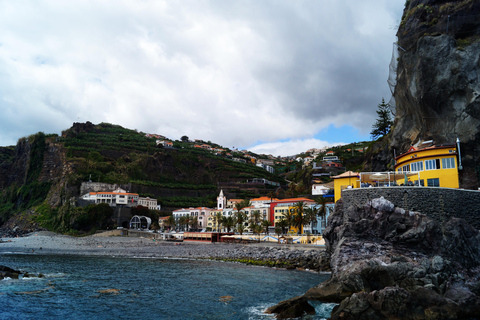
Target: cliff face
{"x": 438, "y": 79}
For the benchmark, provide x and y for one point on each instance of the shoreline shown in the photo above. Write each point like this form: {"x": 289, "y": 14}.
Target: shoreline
{"x": 262, "y": 254}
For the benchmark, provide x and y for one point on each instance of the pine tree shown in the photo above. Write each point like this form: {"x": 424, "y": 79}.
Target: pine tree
{"x": 384, "y": 122}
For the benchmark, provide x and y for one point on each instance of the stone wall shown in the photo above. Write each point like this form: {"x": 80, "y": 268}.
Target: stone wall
{"x": 438, "y": 203}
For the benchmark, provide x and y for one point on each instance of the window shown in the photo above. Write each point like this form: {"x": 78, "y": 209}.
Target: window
{"x": 433, "y": 182}
{"x": 432, "y": 164}
{"x": 417, "y": 166}
{"x": 448, "y": 163}
{"x": 422, "y": 183}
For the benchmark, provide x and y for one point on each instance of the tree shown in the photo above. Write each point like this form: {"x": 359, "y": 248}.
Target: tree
{"x": 322, "y": 210}
{"x": 311, "y": 216}
{"x": 288, "y": 218}
{"x": 266, "y": 224}
{"x": 384, "y": 122}
{"x": 184, "y": 139}
{"x": 298, "y": 216}
{"x": 171, "y": 222}
{"x": 228, "y": 222}
{"x": 254, "y": 223}
{"x": 240, "y": 217}
{"x": 218, "y": 220}
{"x": 194, "y": 223}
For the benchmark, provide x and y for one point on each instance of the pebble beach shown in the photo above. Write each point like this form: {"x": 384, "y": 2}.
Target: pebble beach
{"x": 44, "y": 242}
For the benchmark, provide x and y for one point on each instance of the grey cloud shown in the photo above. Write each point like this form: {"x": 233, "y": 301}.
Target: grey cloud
{"x": 232, "y": 72}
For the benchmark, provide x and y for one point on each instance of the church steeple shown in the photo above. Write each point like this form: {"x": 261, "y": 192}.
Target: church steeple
{"x": 221, "y": 200}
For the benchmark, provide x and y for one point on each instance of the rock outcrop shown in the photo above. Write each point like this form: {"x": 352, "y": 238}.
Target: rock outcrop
{"x": 388, "y": 263}
{"x": 438, "y": 84}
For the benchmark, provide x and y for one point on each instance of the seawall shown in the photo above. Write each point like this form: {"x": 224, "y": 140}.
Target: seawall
{"x": 438, "y": 203}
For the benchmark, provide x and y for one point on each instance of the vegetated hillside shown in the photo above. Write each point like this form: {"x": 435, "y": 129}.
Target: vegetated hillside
{"x": 51, "y": 169}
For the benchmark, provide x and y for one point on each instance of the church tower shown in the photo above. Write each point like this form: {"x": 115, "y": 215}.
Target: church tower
{"x": 221, "y": 201}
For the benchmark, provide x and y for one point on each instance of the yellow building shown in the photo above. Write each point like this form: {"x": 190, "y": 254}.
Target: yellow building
{"x": 346, "y": 180}
{"x": 437, "y": 165}
{"x": 212, "y": 220}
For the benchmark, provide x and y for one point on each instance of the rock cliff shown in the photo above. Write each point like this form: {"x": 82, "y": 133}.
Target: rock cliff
{"x": 437, "y": 94}
{"x": 391, "y": 263}
{"x": 388, "y": 263}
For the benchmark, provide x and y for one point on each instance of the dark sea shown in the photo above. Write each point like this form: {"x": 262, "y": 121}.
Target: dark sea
{"x": 76, "y": 287}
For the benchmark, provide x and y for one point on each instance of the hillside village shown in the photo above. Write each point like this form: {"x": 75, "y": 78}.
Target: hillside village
{"x": 424, "y": 164}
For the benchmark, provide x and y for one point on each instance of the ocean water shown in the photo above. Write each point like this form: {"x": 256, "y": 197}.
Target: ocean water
{"x": 131, "y": 288}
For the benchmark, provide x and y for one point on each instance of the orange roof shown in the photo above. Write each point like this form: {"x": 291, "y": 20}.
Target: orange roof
{"x": 263, "y": 199}
{"x": 122, "y": 193}
{"x": 295, "y": 200}
{"x": 347, "y": 174}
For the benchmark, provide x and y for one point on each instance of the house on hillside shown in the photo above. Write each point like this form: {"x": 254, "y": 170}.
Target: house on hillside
{"x": 149, "y": 203}
{"x": 165, "y": 143}
{"x": 115, "y": 198}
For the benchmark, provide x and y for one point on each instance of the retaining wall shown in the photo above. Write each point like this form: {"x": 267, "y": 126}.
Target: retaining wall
{"x": 438, "y": 203}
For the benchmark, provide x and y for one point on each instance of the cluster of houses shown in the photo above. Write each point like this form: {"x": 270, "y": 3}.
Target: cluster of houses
{"x": 424, "y": 164}
{"x": 267, "y": 209}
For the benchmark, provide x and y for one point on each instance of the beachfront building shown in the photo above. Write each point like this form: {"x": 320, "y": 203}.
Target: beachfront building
{"x": 437, "y": 165}
{"x": 286, "y": 204}
{"x": 252, "y": 215}
{"x": 212, "y": 223}
{"x": 201, "y": 214}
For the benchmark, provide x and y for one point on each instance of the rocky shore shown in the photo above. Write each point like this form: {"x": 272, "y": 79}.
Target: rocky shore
{"x": 388, "y": 263}
{"x": 268, "y": 254}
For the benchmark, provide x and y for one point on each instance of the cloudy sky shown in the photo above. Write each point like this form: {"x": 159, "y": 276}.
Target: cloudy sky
{"x": 271, "y": 76}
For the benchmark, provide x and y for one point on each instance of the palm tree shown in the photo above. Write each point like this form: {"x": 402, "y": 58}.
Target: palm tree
{"x": 299, "y": 218}
{"x": 311, "y": 215}
{"x": 228, "y": 222}
{"x": 239, "y": 218}
{"x": 278, "y": 230}
{"x": 218, "y": 218}
{"x": 289, "y": 218}
{"x": 187, "y": 222}
{"x": 271, "y": 195}
{"x": 194, "y": 223}
{"x": 171, "y": 222}
{"x": 265, "y": 224}
{"x": 181, "y": 223}
{"x": 322, "y": 211}
{"x": 255, "y": 217}
{"x": 283, "y": 224}
{"x": 241, "y": 228}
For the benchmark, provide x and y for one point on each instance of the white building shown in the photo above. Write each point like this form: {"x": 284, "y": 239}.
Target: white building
{"x": 318, "y": 189}
{"x": 114, "y": 198}
{"x": 149, "y": 203}
{"x": 266, "y": 167}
